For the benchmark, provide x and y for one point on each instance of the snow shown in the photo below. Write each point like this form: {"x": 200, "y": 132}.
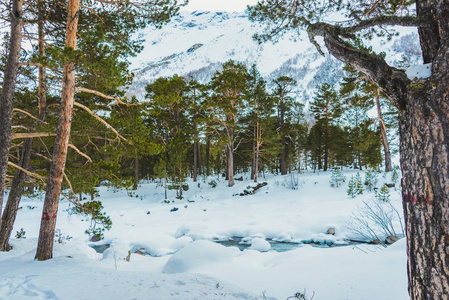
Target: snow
{"x": 197, "y": 254}
{"x": 419, "y": 71}
{"x": 182, "y": 261}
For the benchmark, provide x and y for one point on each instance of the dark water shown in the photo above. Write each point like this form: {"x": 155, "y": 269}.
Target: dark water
{"x": 237, "y": 242}
{"x": 283, "y": 246}
{"x": 100, "y": 248}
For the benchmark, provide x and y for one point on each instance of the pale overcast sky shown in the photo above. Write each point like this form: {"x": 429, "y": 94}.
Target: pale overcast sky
{"x": 220, "y": 5}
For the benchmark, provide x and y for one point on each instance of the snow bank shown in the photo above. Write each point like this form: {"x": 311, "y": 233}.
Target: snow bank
{"x": 259, "y": 244}
{"x": 196, "y": 254}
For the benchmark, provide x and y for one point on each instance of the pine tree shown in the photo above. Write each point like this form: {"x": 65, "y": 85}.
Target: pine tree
{"x": 228, "y": 88}
{"x": 326, "y": 109}
{"x": 383, "y": 194}
{"x": 371, "y": 178}
{"x": 337, "y": 177}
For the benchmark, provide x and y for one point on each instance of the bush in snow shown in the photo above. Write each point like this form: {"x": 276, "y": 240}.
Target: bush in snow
{"x": 371, "y": 178}
{"x": 377, "y": 220}
{"x": 20, "y": 234}
{"x": 99, "y": 221}
{"x": 383, "y": 194}
{"x": 213, "y": 183}
{"x": 337, "y": 177}
{"x": 395, "y": 174}
{"x": 355, "y": 186}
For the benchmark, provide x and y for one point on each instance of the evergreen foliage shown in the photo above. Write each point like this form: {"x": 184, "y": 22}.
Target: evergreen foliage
{"x": 337, "y": 177}
{"x": 371, "y": 178}
{"x": 383, "y": 194}
{"x": 99, "y": 221}
{"x": 355, "y": 186}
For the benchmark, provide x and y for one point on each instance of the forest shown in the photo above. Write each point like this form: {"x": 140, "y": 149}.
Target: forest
{"x": 67, "y": 128}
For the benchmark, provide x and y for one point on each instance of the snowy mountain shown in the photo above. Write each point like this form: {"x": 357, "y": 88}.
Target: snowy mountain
{"x": 195, "y": 44}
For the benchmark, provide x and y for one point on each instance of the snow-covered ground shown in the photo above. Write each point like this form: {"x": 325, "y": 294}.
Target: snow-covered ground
{"x": 183, "y": 262}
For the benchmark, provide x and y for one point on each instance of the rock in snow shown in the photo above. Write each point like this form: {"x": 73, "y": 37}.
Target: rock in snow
{"x": 196, "y": 254}
{"x": 260, "y": 245}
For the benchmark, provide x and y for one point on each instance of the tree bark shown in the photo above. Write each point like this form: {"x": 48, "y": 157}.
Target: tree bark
{"x": 207, "y": 156}
{"x": 136, "y": 173}
{"x": 8, "y": 88}
{"x": 50, "y": 209}
{"x": 383, "y": 134}
{"x": 12, "y": 205}
{"x": 424, "y": 144}
{"x": 195, "y": 154}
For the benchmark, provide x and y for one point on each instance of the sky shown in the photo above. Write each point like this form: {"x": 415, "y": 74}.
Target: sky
{"x": 220, "y": 5}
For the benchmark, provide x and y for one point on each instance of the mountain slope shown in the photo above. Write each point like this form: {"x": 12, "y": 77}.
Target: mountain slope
{"x": 196, "y": 44}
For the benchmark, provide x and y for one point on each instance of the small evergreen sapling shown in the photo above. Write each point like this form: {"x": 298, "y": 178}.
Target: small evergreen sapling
{"x": 337, "y": 177}
{"x": 355, "y": 186}
{"x": 93, "y": 209}
{"x": 395, "y": 174}
{"x": 371, "y": 179}
{"x": 383, "y": 194}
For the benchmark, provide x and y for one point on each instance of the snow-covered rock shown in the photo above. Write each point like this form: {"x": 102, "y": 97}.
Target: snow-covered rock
{"x": 260, "y": 245}
{"x": 196, "y": 254}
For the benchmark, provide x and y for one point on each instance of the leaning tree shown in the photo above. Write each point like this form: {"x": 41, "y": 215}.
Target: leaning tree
{"x": 423, "y": 105}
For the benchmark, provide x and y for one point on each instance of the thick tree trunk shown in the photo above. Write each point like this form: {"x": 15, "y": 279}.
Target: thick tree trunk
{"x": 424, "y": 147}
{"x": 383, "y": 134}
{"x": 230, "y": 163}
{"x": 12, "y": 205}
{"x": 8, "y": 88}
{"x": 50, "y": 209}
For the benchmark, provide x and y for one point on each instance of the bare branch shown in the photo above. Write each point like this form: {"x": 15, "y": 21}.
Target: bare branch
{"x": 119, "y": 136}
{"x": 80, "y": 153}
{"x": 28, "y": 114}
{"x": 31, "y": 174}
{"x": 32, "y": 135}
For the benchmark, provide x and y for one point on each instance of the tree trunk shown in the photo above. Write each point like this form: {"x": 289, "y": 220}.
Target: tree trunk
{"x": 207, "y": 156}
{"x": 136, "y": 173}
{"x": 383, "y": 134}
{"x": 8, "y": 88}
{"x": 424, "y": 147}
{"x": 195, "y": 155}
{"x": 11, "y": 208}
{"x": 50, "y": 209}
{"x": 283, "y": 163}
{"x": 253, "y": 162}
{"x": 230, "y": 163}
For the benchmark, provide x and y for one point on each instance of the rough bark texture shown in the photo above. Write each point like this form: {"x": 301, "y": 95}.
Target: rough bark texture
{"x": 424, "y": 144}
{"x": 8, "y": 88}
{"x": 383, "y": 135}
{"x": 50, "y": 209}
{"x": 195, "y": 154}
{"x": 12, "y": 205}
{"x": 9, "y": 216}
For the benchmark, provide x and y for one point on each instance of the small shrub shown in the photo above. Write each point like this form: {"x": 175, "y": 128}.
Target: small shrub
{"x": 371, "y": 179}
{"x": 377, "y": 220}
{"x": 395, "y": 174}
{"x": 383, "y": 194}
{"x": 213, "y": 183}
{"x": 99, "y": 221}
{"x": 355, "y": 186}
{"x": 337, "y": 177}
{"x": 20, "y": 234}
{"x": 61, "y": 238}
